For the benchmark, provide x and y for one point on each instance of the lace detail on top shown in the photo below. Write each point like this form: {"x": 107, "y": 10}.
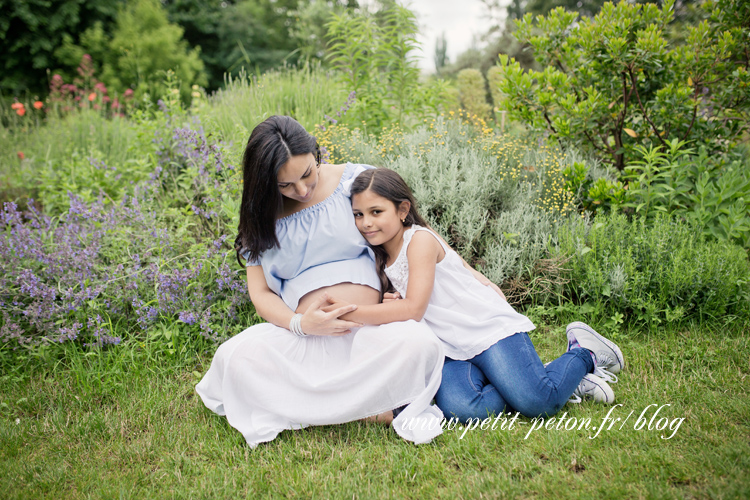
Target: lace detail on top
{"x": 398, "y": 272}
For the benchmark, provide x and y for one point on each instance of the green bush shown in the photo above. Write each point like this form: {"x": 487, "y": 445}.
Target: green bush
{"x": 615, "y": 81}
{"x": 472, "y": 93}
{"x": 653, "y": 271}
{"x": 496, "y": 200}
{"x": 713, "y": 193}
{"x": 142, "y": 48}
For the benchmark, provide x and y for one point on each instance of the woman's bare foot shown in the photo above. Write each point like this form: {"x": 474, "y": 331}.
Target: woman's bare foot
{"x": 382, "y": 418}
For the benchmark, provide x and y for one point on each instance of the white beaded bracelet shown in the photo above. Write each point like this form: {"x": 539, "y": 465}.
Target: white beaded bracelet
{"x": 295, "y": 325}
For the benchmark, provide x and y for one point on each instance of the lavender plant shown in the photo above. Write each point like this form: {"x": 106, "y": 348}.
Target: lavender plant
{"x": 102, "y": 271}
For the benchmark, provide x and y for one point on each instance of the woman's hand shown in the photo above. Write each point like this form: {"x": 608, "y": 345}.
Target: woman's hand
{"x": 485, "y": 281}
{"x": 322, "y": 317}
{"x": 479, "y": 276}
{"x": 390, "y": 297}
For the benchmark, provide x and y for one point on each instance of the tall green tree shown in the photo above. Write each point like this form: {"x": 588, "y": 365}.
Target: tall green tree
{"x": 441, "y": 53}
{"x": 615, "y": 82}
{"x": 32, "y": 30}
{"x": 254, "y": 34}
{"x": 145, "y": 45}
{"x": 201, "y": 21}
{"x": 309, "y": 25}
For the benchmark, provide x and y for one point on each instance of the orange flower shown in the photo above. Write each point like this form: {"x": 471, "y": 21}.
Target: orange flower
{"x": 92, "y": 96}
{"x": 21, "y": 156}
{"x": 16, "y": 105}
{"x": 38, "y": 105}
{"x": 21, "y": 111}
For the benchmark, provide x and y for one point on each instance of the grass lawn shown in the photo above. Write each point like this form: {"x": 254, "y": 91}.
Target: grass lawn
{"x": 128, "y": 425}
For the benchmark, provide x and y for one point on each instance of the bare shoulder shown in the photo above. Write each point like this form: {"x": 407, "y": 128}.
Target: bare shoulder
{"x": 422, "y": 241}
{"x": 425, "y": 243}
{"x": 333, "y": 170}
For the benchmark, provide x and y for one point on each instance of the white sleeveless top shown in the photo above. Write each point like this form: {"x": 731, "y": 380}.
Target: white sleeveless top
{"x": 466, "y": 316}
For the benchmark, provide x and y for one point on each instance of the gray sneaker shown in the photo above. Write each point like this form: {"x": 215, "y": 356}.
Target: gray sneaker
{"x": 608, "y": 355}
{"x": 593, "y": 387}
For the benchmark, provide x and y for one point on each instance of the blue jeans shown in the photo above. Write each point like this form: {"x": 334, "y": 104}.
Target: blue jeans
{"x": 510, "y": 377}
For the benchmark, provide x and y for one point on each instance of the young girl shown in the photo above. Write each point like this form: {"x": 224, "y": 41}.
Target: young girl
{"x": 491, "y": 365}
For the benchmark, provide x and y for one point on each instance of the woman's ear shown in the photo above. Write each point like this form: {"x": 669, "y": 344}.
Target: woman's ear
{"x": 403, "y": 210}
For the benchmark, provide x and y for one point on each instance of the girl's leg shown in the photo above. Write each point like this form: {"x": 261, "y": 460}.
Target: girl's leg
{"x": 513, "y": 367}
{"x": 465, "y": 393}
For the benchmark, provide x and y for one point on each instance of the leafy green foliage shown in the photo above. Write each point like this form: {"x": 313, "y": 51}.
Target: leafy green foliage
{"x": 32, "y": 30}
{"x": 254, "y": 36}
{"x": 714, "y": 195}
{"x": 614, "y": 82}
{"x": 375, "y": 54}
{"x": 653, "y": 272}
{"x": 201, "y": 21}
{"x": 147, "y": 45}
{"x": 309, "y": 26}
{"x": 593, "y": 193}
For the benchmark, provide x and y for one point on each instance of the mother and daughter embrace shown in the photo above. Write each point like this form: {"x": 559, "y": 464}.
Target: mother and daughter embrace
{"x": 370, "y": 314}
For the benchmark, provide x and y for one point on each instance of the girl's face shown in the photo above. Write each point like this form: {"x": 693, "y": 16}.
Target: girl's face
{"x": 298, "y": 177}
{"x": 378, "y": 218}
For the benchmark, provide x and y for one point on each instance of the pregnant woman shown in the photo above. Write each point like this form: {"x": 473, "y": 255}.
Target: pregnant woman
{"x": 306, "y": 366}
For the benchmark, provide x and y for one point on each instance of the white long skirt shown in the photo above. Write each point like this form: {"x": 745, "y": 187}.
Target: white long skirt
{"x": 266, "y": 379}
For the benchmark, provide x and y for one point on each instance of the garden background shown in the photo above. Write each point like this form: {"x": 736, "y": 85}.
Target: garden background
{"x": 592, "y": 162}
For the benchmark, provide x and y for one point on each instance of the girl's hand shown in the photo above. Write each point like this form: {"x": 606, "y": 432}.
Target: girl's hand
{"x": 322, "y": 317}
{"x": 390, "y": 297}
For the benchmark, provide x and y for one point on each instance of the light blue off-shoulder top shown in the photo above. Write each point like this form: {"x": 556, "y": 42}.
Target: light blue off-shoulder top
{"x": 319, "y": 246}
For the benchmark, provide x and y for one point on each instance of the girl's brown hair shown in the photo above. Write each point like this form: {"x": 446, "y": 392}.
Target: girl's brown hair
{"x": 388, "y": 184}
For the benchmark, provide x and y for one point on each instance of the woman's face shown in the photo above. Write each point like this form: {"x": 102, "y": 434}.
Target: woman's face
{"x": 298, "y": 177}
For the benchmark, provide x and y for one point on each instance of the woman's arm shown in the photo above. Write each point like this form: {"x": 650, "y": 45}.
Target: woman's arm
{"x": 315, "y": 320}
{"x": 423, "y": 254}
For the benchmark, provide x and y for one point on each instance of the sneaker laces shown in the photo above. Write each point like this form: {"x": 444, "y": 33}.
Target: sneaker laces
{"x": 604, "y": 359}
{"x": 605, "y": 375}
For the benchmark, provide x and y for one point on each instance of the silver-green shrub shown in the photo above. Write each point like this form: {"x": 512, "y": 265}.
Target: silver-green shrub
{"x": 488, "y": 196}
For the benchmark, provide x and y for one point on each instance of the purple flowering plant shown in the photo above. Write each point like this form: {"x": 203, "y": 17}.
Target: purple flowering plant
{"x": 157, "y": 259}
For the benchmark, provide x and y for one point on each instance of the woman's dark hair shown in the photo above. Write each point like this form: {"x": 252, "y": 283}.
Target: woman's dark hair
{"x": 388, "y": 184}
{"x": 270, "y": 146}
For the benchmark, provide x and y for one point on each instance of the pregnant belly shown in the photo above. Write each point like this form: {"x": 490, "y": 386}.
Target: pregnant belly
{"x": 350, "y": 292}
